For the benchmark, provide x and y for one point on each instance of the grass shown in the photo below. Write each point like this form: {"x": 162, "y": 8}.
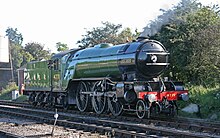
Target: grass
{"x": 207, "y": 98}
{"x": 21, "y": 98}
{"x": 6, "y": 93}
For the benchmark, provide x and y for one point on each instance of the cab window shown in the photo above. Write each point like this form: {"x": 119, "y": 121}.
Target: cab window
{"x": 64, "y": 58}
{"x": 56, "y": 64}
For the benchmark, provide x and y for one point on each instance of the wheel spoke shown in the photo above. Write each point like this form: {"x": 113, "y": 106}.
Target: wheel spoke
{"x": 141, "y": 109}
{"x": 99, "y": 104}
{"x": 98, "y": 99}
{"x": 82, "y": 99}
{"x": 115, "y": 107}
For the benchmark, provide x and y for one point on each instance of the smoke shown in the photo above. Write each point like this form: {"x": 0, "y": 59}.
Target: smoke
{"x": 175, "y": 14}
{"x": 154, "y": 26}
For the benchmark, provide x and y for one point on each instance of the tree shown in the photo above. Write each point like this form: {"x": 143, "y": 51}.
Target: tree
{"x": 27, "y": 57}
{"x": 37, "y": 51}
{"x": 17, "y": 56}
{"x": 108, "y": 33}
{"x": 187, "y": 43}
{"x": 15, "y": 48}
{"x": 14, "y": 36}
{"x": 175, "y": 15}
{"x": 127, "y": 35}
{"x": 61, "y": 46}
{"x": 205, "y": 61}
{"x": 195, "y": 52}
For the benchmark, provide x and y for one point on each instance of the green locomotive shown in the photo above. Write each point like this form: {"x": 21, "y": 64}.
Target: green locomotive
{"x": 106, "y": 77}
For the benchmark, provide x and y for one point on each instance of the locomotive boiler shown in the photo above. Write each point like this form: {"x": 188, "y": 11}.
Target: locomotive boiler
{"x": 107, "y": 78}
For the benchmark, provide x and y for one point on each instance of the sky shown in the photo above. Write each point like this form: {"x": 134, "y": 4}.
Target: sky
{"x": 50, "y": 21}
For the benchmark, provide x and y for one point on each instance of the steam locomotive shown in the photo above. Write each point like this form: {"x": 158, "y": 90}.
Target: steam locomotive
{"x": 107, "y": 78}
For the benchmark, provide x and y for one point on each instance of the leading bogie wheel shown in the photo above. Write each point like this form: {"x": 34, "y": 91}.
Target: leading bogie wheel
{"x": 142, "y": 109}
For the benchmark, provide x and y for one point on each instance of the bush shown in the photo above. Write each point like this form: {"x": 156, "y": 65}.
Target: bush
{"x": 10, "y": 87}
{"x": 5, "y": 94}
{"x": 207, "y": 98}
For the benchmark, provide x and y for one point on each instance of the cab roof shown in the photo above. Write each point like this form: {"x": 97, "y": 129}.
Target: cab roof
{"x": 61, "y": 54}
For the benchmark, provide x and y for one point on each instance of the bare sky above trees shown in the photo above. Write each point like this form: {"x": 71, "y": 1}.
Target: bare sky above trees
{"x": 52, "y": 21}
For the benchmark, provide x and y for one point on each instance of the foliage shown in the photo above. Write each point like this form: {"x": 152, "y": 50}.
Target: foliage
{"x": 17, "y": 56}
{"x": 37, "y": 51}
{"x": 5, "y": 94}
{"x": 14, "y": 36}
{"x": 206, "y": 98}
{"x": 15, "y": 41}
{"x": 193, "y": 42}
{"x": 27, "y": 57}
{"x": 175, "y": 15}
{"x": 126, "y": 35}
{"x": 21, "y": 98}
{"x": 205, "y": 61}
{"x": 61, "y": 46}
{"x": 108, "y": 33}
{"x": 21, "y": 55}
{"x": 98, "y": 35}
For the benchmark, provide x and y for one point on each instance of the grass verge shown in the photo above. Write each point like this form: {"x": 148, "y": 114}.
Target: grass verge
{"x": 207, "y": 98}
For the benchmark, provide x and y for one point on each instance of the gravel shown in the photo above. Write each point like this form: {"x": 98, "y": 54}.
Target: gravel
{"x": 29, "y": 128}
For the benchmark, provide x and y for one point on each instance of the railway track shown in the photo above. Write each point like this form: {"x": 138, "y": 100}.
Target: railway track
{"x": 4, "y": 134}
{"x": 118, "y": 127}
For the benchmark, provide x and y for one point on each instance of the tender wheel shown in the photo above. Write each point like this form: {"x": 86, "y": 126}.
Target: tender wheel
{"x": 40, "y": 99}
{"x": 31, "y": 98}
{"x": 50, "y": 101}
{"x": 98, "y": 100}
{"x": 142, "y": 110}
{"x": 115, "y": 106}
{"x": 82, "y": 99}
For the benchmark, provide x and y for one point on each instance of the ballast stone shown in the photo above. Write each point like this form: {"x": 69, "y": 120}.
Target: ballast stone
{"x": 192, "y": 108}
